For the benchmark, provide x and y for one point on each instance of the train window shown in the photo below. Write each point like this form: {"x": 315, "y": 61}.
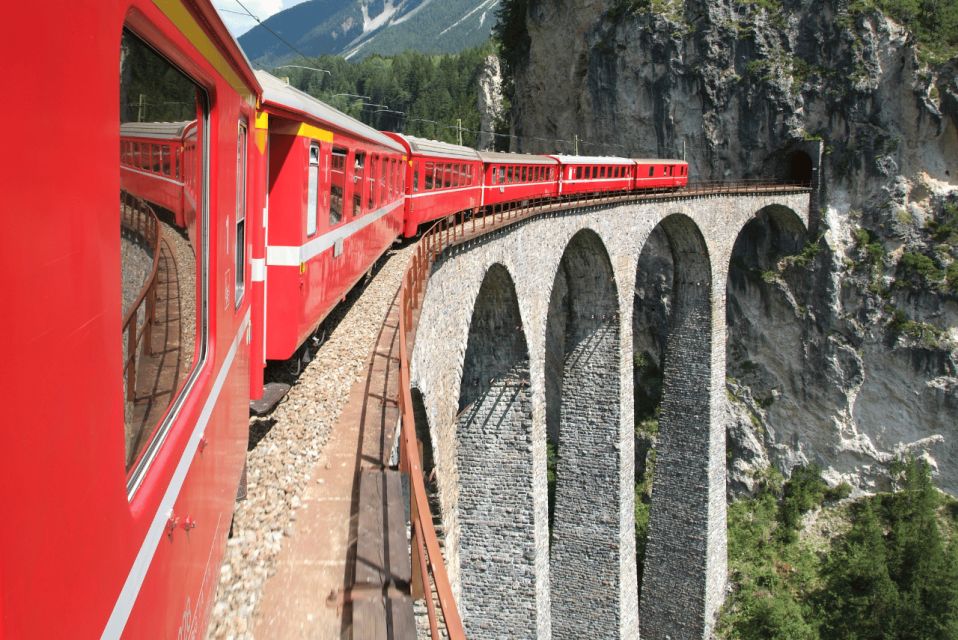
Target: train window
{"x": 240, "y": 213}
{"x": 359, "y": 167}
{"x": 337, "y": 185}
{"x": 578, "y": 173}
{"x": 371, "y": 183}
{"x": 509, "y": 175}
{"x": 651, "y": 171}
{"x": 383, "y": 164}
{"x": 312, "y": 189}
{"x": 430, "y": 168}
{"x": 388, "y": 186}
{"x": 502, "y": 175}
{"x": 415, "y": 177}
{"x": 162, "y": 253}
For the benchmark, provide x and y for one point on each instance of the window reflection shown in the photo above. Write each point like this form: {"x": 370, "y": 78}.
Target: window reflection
{"x": 161, "y": 227}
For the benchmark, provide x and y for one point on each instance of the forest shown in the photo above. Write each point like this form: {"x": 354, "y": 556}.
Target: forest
{"x": 431, "y": 96}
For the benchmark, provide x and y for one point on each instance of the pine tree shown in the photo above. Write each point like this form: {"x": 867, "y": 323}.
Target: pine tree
{"x": 859, "y": 601}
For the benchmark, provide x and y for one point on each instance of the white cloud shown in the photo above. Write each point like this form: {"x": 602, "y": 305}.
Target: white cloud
{"x": 238, "y": 22}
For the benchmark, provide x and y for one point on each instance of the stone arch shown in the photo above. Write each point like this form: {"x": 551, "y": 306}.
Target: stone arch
{"x": 684, "y": 577}
{"x": 763, "y": 295}
{"x": 583, "y": 405}
{"x": 494, "y": 459}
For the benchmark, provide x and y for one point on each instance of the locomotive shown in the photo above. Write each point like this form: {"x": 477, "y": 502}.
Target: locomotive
{"x": 246, "y": 210}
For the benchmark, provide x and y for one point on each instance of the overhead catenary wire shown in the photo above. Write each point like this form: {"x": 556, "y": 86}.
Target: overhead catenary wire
{"x": 291, "y": 46}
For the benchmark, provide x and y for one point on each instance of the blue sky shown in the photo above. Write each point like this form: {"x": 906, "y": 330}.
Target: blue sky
{"x": 239, "y": 22}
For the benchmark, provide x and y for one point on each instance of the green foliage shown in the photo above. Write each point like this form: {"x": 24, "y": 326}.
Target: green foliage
{"x": 927, "y": 334}
{"x": 892, "y": 575}
{"x": 512, "y": 35}
{"x": 431, "y": 92}
{"x": 944, "y": 227}
{"x": 643, "y": 498}
{"x": 934, "y": 22}
{"x": 804, "y": 490}
{"x": 807, "y": 254}
{"x": 859, "y": 598}
{"x": 918, "y": 271}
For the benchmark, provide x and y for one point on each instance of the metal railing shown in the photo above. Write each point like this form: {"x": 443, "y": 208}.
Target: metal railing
{"x": 138, "y": 220}
{"x": 427, "y": 556}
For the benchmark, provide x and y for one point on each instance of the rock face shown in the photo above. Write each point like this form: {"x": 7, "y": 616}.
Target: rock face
{"x": 844, "y": 354}
{"x": 489, "y": 101}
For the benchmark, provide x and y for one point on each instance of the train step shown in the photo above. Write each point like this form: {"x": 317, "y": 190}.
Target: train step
{"x": 273, "y": 392}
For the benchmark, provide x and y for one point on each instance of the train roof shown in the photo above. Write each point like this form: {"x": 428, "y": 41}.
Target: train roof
{"x": 157, "y": 130}
{"x": 515, "y": 158}
{"x": 593, "y": 160}
{"x": 426, "y": 147}
{"x": 280, "y": 94}
{"x": 658, "y": 161}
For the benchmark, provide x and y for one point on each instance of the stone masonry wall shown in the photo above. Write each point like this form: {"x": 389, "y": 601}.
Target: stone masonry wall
{"x": 495, "y": 469}
{"x": 531, "y": 252}
{"x": 586, "y": 539}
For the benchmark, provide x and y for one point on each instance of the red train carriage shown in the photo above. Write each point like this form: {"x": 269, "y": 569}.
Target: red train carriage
{"x": 514, "y": 177}
{"x": 152, "y": 163}
{"x": 441, "y": 179}
{"x": 127, "y": 351}
{"x": 335, "y": 206}
{"x": 584, "y": 174}
{"x": 661, "y": 174}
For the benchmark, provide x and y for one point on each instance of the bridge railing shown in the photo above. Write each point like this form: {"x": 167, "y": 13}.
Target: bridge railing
{"x": 428, "y": 566}
{"x": 137, "y": 219}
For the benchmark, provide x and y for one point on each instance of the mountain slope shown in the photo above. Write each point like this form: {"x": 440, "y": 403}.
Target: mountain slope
{"x": 359, "y": 28}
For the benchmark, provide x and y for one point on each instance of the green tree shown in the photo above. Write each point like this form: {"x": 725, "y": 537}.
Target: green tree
{"x": 859, "y": 601}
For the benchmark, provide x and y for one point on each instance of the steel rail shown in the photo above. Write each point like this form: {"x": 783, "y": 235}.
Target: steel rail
{"x": 453, "y": 230}
{"x": 138, "y": 218}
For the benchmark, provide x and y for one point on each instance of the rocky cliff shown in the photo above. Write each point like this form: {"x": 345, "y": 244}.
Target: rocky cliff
{"x": 846, "y": 353}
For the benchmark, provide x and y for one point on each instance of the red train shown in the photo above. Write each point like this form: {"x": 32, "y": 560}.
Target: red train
{"x": 246, "y": 210}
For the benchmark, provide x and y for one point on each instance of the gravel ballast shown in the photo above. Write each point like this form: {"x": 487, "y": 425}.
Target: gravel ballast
{"x": 288, "y": 441}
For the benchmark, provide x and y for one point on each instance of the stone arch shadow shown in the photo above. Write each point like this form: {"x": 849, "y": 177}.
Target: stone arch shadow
{"x": 494, "y": 459}
{"x": 583, "y": 406}
{"x": 684, "y": 577}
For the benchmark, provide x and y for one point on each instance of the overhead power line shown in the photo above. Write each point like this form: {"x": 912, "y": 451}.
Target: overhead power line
{"x": 291, "y": 46}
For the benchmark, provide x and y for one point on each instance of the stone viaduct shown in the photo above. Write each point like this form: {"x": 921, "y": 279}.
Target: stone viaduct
{"x": 527, "y": 332}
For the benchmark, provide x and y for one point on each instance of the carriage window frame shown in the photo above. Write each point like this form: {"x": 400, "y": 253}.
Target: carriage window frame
{"x": 312, "y": 188}
{"x": 337, "y": 204}
{"x": 242, "y": 158}
{"x": 141, "y": 467}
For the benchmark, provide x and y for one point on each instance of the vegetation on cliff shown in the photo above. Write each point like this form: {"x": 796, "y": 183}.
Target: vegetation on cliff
{"x": 890, "y": 572}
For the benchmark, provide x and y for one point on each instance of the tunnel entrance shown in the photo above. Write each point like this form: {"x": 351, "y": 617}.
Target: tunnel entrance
{"x": 800, "y": 168}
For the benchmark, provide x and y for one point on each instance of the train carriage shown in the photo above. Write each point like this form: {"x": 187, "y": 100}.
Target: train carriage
{"x": 152, "y": 162}
{"x": 441, "y": 179}
{"x": 128, "y": 350}
{"x": 335, "y": 205}
{"x": 585, "y": 174}
{"x": 515, "y": 177}
{"x": 661, "y": 174}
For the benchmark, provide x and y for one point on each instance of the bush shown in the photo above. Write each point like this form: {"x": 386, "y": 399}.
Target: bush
{"x": 918, "y": 270}
{"x": 803, "y": 491}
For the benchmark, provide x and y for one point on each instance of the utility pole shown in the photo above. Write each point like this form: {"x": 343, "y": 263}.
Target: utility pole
{"x": 140, "y": 108}
{"x": 575, "y": 143}
{"x": 683, "y": 149}
{"x": 459, "y": 130}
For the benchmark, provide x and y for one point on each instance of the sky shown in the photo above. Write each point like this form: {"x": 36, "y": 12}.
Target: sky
{"x": 239, "y": 22}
